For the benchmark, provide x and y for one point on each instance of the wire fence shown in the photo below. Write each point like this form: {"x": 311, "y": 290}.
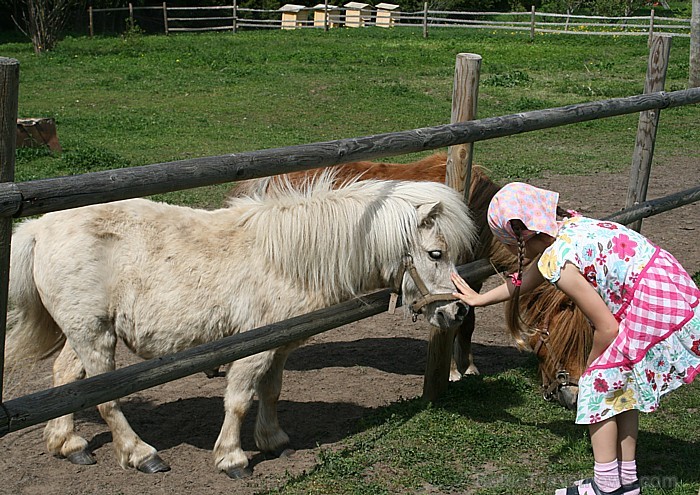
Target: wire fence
{"x": 354, "y": 15}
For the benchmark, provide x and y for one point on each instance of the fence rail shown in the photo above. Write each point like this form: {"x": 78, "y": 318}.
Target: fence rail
{"x": 21, "y": 199}
{"x": 231, "y": 17}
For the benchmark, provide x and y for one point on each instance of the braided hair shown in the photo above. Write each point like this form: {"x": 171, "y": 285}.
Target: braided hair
{"x": 514, "y": 320}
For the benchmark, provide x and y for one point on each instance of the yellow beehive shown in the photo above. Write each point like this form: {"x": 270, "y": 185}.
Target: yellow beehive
{"x": 387, "y": 13}
{"x": 293, "y": 16}
{"x": 320, "y": 15}
{"x": 356, "y": 14}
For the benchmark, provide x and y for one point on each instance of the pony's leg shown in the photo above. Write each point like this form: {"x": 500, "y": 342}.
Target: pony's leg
{"x": 59, "y": 434}
{"x": 242, "y": 378}
{"x": 269, "y": 437}
{"x": 462, "y": 358}
{"x": 96, "y": 350}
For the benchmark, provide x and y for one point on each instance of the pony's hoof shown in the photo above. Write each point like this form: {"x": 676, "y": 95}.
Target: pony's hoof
{"x": 472, "y": 371}
{"x": 283, "y": 452}
{"x": 82, "y": 457}
{"x": 215, "y": 373}
{"x": 239, "y": 473}
{"x": 153, "y": 464}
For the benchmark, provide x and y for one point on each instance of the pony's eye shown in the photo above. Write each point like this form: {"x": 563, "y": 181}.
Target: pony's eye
{"x": 436, "y": 255}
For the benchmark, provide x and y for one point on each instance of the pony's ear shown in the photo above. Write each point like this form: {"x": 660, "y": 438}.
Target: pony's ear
{"x": 428, "y": 212}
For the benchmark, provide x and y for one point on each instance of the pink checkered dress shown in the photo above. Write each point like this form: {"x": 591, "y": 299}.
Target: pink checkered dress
{"x": 654, "y": 299}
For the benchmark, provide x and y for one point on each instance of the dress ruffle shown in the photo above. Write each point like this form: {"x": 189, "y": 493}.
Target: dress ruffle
{"x": 665, "y": 366}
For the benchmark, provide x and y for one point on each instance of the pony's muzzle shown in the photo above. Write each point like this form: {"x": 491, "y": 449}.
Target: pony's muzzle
{"x": 447, "y": 315}
{"x": 567, "y": 395}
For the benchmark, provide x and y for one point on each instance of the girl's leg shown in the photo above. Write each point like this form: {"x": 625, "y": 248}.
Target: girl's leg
{"x": 627, "y": 430}
{"x": 604, "y": 440}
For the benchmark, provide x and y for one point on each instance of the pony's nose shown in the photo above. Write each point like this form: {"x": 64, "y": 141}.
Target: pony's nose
{"x": 567, "y": 396}
{"x": 462, "y": 311}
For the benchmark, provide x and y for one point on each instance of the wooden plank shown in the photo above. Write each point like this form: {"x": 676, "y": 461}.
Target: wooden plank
{"x": 437, "y": 370}
{"x": 465, "y": 95}
{"x": 648, "y": 124}
{"x": 656, "y": 206}
{"x": 45, "y": 195}
{"x": 9, "y": 98}
{"x": 458, "y": 175}
{"x": 41, "y": 406}
{"x": 694, "y": 61}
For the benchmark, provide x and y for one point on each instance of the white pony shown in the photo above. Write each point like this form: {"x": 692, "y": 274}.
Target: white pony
{"x": 164, "y": 278}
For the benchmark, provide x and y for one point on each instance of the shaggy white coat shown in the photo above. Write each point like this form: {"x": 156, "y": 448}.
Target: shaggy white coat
{"x": 164, "y": 278}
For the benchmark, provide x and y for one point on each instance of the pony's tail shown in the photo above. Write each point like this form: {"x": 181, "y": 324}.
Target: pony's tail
{"x": 31, "y": 331}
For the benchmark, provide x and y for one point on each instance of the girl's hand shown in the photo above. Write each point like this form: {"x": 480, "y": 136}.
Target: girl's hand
{"x": 464, "y": 293}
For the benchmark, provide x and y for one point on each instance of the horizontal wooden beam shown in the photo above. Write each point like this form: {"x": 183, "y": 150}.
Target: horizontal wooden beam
{"x": 41, "y": 196}
{"x": 656, "y": 206}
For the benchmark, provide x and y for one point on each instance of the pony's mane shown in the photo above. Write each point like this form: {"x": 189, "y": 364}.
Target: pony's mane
{"x": 571, "y": 337}
{"x": 343, "y": 233}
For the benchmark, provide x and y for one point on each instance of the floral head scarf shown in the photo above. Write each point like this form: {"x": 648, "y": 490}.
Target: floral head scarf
{"x": 536, "y": 208}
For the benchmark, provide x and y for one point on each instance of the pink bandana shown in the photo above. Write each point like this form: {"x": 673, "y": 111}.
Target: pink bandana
{"x": 536, "y": 208}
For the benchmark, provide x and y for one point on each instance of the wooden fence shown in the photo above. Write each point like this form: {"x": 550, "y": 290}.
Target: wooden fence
{"x": 232, "y": 17}
{"x": 45, "y": 195}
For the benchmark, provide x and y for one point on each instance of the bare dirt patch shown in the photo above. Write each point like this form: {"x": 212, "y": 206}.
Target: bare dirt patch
{"x": 334, "y": 380}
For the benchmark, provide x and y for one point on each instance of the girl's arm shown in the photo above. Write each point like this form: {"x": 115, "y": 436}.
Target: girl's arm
{"x": 531, "y": 279}
{"x": 574, "y": 285}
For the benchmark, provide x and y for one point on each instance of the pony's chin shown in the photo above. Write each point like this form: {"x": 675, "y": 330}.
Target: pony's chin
{"x": 446, "y": 316}
{"x": 567, "y": 395}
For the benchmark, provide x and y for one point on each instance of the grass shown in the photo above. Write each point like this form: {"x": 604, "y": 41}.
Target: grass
{"x": 136, "y": 100}
{"x": 495, "y": 435}
{"x": 147, "y": 99}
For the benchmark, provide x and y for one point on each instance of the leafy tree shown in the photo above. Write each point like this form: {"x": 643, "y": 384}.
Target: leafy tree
{"x": 567, "y": 7}
{"x": 462, "y": 5}
{"x": 42, "y": 21}
{"x": 617, "y": 7}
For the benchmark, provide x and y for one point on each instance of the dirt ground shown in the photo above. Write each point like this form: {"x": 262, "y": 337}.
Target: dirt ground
{"x": 330, "y": 383}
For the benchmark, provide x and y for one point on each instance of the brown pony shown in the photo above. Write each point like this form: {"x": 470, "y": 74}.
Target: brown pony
{"x": 560, "y": 335}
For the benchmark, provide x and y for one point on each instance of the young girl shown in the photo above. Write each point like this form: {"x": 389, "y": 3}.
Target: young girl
{"x": 642, "y": 305}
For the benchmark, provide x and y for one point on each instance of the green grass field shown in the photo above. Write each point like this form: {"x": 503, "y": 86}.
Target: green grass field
{"x": 146, "y": 99}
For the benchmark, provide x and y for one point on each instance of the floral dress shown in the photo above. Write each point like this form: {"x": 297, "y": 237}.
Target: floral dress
{"x": 657, "y": 348}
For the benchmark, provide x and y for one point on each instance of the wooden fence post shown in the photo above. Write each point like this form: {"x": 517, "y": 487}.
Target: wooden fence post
{"x": 235, "y": 16}
{"x": 459, "y": 163}
{"x": 165, "y": 18}
{"x": 651, "y": 28}
{"x": 131, "y": 16}
{"x": 91, "y": 25}
{"x": 532, "y": 23}
{"x": 464, "y": 105}
{"x": 694, "y": 70}
{"x": 9, "y": 97}
{"x": 425, "y": 20}
{"x": 648, "y": 123}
